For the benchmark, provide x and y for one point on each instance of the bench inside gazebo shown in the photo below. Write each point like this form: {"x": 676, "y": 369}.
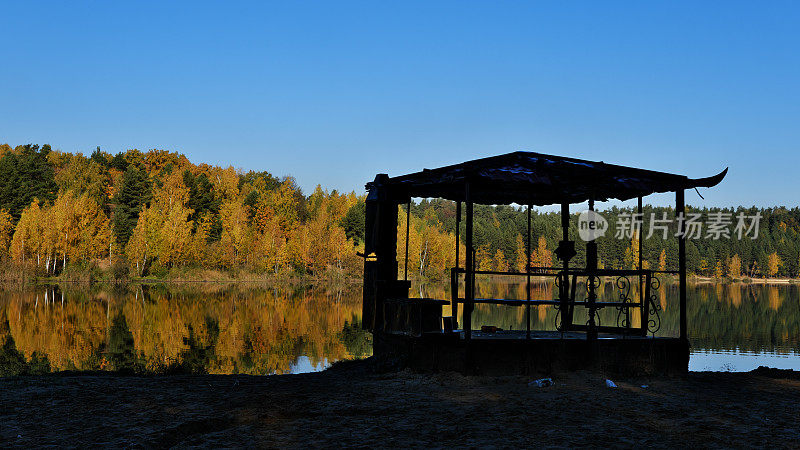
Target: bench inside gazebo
{"x": 412, "y": 332}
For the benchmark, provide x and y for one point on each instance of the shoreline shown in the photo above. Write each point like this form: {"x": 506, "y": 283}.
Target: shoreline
{"x": 347, "y": 280}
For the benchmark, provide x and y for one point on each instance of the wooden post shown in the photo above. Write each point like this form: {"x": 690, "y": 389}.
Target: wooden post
{"x": 566, "y": 308}
{"x": 380, "y": 249}
{"x": 591, "y": 269}
{"x": 408, "y": 229}
{"x": 680, "y": 209}
{"x": 458, "y": 227}
{"x": 454, "y": 276}
{"x": 469, "y": 275}
{"x": 641, "y": 292}
{"x": 528, "y": 286}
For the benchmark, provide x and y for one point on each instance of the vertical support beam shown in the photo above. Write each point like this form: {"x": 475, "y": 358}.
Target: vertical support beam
{"x": 591, "y": 269}
{"x": 469, "y": 274}
{"x": 458, "y": 228}
{"x": 408, "y": 229}
{"x": 454, "y": 276}
{"x": 680, "y": 209}
{"x": 380, "y": 248}
{"x": 528, "y": 285}
{"x": 646, "y": 305}
{"x": 566, "y": 306}
{"x": 641, "y": 291}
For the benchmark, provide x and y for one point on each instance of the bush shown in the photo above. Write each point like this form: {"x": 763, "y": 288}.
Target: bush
{"x": 120, "y": 270}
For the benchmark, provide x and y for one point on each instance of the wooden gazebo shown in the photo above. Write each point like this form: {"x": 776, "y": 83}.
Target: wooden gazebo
{"x": 412, "y": 330}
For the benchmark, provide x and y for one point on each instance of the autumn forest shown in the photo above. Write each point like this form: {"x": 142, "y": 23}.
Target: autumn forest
{"x": 156, "y": 214}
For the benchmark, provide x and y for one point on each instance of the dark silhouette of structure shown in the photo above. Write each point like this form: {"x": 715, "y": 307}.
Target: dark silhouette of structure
{"x": 412, "y": 332}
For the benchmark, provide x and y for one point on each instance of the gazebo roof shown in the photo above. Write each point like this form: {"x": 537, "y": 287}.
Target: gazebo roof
{"x": 538, "y": 179}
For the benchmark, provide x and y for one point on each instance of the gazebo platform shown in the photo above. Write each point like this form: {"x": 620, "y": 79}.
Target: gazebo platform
{"x": 546, "y": 352}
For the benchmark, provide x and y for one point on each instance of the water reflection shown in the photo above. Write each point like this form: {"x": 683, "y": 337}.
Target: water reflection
{"x": 731, "y": 326}
{"x": 184, "y": 329}
{"x": 213, "y": 328}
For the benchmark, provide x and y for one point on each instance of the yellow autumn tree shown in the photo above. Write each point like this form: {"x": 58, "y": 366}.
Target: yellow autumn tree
{"x": 143, "y": 244}
{"x": 93, "y": 230}
{"x": 773, "y": 264}
{"x": 275, "y": 220}
{"x": 719, "y": 270}
{"x": 27, "y": 242}
{"x": 632, "y": 253}
{"x": 235, "y": 233}
{"x": 662, "y": 260}
{"x": 734, "y": 266}
{"x": 6, "y": 232}
{"x": 500, "y": 262}
{"x": 168, "y": 228}
{"x": 521, "y": 262}
{"x": 483, "y": 258}
{"x": 198, "y": 243}
{"x": 541, "y": 256}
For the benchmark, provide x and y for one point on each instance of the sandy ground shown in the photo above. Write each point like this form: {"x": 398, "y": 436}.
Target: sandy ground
{"x": 350, "y": 406}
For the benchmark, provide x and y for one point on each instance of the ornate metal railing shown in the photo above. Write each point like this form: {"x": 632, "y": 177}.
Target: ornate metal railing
{"x": 625, "y": 300}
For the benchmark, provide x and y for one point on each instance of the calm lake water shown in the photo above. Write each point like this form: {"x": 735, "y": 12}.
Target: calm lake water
{"x": 217, "y": 328}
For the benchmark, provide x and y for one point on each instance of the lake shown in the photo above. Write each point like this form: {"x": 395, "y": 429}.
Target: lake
{"x": 253, "y": 329}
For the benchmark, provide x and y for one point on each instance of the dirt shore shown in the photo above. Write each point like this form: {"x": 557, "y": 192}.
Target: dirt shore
{"x": 350, "y": 406}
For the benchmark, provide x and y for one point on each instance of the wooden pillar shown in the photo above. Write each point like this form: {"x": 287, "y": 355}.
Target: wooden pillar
{"x": 591, "y": 269}
{"x": 680, "y": 209}
{"x": 528, "y": 284}
{"x": 641, "y": 290}
{"x": 408, "y": 230}
{"x": 566, "y": 307}
{"x": 469, "y": 275}
{"x": 380, "y": 249}
{"x": 454, "y": 275}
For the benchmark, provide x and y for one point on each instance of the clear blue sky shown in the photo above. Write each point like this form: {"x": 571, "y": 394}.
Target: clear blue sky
{"x": 334, "y": 92}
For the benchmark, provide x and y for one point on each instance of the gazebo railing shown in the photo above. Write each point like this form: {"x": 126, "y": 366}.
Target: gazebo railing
{"x": 626, "y": 299}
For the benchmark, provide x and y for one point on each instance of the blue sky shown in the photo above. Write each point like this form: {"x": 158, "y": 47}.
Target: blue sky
{"x": 335, "y": 92}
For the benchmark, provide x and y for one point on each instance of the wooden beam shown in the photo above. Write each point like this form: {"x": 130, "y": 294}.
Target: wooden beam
{"x": 469, "y": 269}
{"x": 641, "y": 291}
{"x": 408, "y": 229}
{"x": 591, "y": 269}
{"x": 680, "y": 209}
{"x": 454, "y": 274}
{"x": 528, "y": 285}
{"x": 566, "y": 308}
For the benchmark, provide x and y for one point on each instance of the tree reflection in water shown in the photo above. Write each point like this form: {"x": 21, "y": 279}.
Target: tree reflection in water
{"x": 215, "y": 328}
{"x": 209, "y": 328}
{"x": 722, "y": 317}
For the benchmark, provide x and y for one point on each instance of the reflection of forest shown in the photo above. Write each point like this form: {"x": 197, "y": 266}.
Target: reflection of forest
{"x": 241, "y": 329}
{"x": 208, "y": 328}
{"x": 721, "y": 316}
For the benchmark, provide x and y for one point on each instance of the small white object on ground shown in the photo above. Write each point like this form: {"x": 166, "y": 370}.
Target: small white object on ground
{"x": 610, "y": 384}
{"x": 541, "y": 382}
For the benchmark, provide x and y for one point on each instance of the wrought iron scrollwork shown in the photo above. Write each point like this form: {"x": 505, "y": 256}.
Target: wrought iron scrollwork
{"x": 559, "y": 280}
{"x": 593, "y": 283}
{"x": 654, "y": 318}
{"x": 596, "y": 281}
{"x": 623, "y": 284}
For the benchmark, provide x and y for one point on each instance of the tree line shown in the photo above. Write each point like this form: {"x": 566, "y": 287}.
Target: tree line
{"x": 150, "y": 212}
{"x": 501, "y": 241}
{"x": 147, "y": 213}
